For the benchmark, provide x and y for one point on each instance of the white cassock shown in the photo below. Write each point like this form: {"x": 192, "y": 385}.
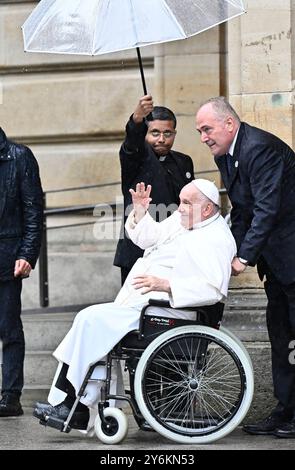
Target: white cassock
{"x": 197, "y": 264}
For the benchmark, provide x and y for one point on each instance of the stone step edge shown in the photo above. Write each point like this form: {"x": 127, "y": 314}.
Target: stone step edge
{"x": 68, "y": 316}
{"x": 28, "y": 387}
{"x": 30, "y": 316}
{"x": 49, "y": 352}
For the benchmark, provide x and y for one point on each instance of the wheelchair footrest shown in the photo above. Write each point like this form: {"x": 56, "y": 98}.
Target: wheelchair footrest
{"x": 55, "y": 423}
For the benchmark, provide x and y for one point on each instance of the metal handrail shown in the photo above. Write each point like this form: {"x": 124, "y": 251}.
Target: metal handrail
{"x": 43, "y": 258}
{"x": 79, "y": 188}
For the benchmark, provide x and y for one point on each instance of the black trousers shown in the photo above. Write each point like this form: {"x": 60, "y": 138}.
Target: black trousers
{"x": 280, "y": 318}
{"x": 12, "y": 337}
{"x": 63, "y": 383}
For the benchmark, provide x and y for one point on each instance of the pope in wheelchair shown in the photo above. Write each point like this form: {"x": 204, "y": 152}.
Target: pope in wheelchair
{"x": 189, "y": 380}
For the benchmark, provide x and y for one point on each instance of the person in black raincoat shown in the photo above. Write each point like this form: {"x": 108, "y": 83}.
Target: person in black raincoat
{"x": 21, "y": 214}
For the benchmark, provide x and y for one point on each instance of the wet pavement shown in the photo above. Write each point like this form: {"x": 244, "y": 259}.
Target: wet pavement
{"x": 25, "y": 433}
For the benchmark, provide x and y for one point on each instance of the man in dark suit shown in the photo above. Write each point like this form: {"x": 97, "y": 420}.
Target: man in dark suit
{"x": 146, "y": 156}
{"x": 258, "y": 171}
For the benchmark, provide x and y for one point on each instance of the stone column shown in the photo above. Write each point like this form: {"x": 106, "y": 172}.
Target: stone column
{"x": 186, "y": 73}
{"x": 261, "y": 66}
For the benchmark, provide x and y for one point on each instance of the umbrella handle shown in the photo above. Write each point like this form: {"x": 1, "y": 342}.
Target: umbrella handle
{"x": 141, "y": 70}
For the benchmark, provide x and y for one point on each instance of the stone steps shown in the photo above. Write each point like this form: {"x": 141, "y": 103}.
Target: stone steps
{"x": 44, "y": 331}
{"x": 244, "y": 315}
{"x": 248, "y": 325}
{"x": 74, "y": 279}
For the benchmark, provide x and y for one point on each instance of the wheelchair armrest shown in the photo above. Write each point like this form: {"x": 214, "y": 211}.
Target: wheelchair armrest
{"x": 159, "y": 303}
{"x": 211, "y": 315}
{"x": 165, "y": 303}
{"x": 151, "y": 303}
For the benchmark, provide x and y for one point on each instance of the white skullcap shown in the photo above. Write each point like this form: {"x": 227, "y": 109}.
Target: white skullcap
{"x": 208, "y": 189}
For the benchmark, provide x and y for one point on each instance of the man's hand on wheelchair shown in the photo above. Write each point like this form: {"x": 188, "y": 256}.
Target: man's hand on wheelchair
{"x": 151, "y": 283}
{"x": 141, "y": 200}
{"x": 237, "y": 267}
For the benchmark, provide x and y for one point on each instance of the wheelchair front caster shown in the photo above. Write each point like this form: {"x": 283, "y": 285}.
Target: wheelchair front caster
{"x": 115, "y": 428}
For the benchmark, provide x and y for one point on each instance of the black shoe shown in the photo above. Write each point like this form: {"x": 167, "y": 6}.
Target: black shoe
{"x": 286, "y": 430}
{"x": 10, "y": 406}
{"x": 266, "y": 426}
{"x": 43, "y": 411}
{"x": 279, "y": 416}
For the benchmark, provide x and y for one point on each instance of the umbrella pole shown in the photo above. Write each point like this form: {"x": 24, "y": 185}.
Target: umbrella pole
{"x": 141, "y": 70}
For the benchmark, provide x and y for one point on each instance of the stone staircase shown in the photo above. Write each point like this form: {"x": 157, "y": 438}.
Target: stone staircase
{"x": 43, "y": 332}
{"x": 244, "y": 315}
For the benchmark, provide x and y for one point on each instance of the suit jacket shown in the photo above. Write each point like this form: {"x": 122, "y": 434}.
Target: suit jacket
{"x": 261, "y": 188}
{"x": 140, "y": 163}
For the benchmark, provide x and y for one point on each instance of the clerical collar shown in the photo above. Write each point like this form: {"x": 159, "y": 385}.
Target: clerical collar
{"x": 162, "y": 158}
{"x": 232, "y": 145}
{"x": 207, "y": 221}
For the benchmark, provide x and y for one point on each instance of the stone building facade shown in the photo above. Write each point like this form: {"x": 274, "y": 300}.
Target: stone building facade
{"x": 71, "y": 110}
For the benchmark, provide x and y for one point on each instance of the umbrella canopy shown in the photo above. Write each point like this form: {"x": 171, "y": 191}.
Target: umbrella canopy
{"x": 101, "y": 26}
{"x": 97, "y": 27}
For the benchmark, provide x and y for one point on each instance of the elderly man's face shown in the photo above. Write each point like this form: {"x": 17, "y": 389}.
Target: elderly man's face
{"x": 191, "y": 206}
{"x": 216, "y": 132}
{"x": 160, "y": 136}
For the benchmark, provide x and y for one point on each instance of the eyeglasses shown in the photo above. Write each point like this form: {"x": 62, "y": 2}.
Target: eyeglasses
{"x": 166, "y": 134}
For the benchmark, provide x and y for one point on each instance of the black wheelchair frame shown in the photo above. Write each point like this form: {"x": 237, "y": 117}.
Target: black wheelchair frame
{"x": 206, "y": 420}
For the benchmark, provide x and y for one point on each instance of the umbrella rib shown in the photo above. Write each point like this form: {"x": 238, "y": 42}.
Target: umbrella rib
{"x": 95, "y": 20}
{"x": 174, "y": 18}
{"x": 219, "y": 22}
{"x": 133, "y": 21}
{"x": 234, "y": 3}
{"x": 40, "y": 25}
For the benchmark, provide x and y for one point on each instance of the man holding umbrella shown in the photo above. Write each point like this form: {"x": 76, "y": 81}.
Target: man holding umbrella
{"x": 146, "y": 155}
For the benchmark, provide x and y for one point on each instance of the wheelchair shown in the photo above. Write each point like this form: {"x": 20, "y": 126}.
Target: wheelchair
{"x": 189, "y": 381}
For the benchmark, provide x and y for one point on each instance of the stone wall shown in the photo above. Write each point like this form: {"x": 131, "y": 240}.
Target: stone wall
{"x": 261, "y": 66}
{"x": 71, "y": 110}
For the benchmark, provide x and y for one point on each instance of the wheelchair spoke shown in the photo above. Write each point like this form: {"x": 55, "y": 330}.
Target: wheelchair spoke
{"x": 193, "y": 383}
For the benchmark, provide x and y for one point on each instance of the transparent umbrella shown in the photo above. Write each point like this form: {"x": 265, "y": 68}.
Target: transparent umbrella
{"x": 95, "y": 27}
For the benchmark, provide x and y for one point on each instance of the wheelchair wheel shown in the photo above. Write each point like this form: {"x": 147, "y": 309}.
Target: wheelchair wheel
{"x": 116, "y": 428}
{"x": 237, "y": 340}
{"x": 194, "y": 384}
